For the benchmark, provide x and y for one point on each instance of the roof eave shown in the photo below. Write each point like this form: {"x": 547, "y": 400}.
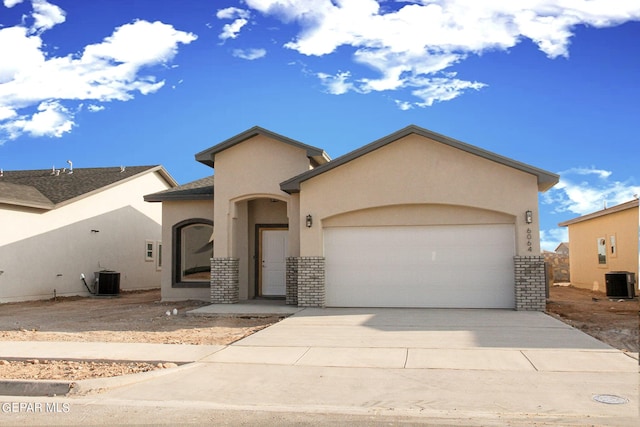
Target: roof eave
{"x": 165, "y": 175}
{"x": 618, "y": 208}
{"x": 545, "y": 179}
{"x": 171, "y": 198}
{"x": 26, "y": 204}
{"x": 207, "y": 156}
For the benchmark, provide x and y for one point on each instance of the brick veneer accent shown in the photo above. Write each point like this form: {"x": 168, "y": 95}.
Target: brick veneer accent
{"x": 530, "y": 283}
{"x": 292, "y": 281}
{"x": 225, "y": 286}
{"x": 311, "y": 292}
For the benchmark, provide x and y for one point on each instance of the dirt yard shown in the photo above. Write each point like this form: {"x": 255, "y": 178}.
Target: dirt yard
{"x": 140, "y": 317}
{"x": 131, "y": 317}
{"x": 615, "y": 321}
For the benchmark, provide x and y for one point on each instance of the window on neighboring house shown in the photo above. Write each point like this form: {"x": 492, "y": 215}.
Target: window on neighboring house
{"x": 159, "y": 257}
{"x": 602, "y": 250}
{"x": 192, "y": 252}
{"x": 148, "y": 255}
{"x": 613, "y": 249}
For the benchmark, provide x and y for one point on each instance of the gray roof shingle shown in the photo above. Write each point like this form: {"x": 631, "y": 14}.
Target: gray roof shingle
{"x": 200, "y": 189}
{"x": 46, "y": 189}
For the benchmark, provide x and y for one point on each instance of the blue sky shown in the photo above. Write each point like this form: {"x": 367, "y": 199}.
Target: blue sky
{"x": 551, "y": 83}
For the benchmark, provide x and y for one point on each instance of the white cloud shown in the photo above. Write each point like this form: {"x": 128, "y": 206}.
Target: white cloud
{"x": 232, "y": 13}
{"x": 240, "y": 19}
{"x": 550, "y": 239}
{"x": 336, "y": 84}
{"x": 579, "y": 193}
{"x": 7, "y": 113}
{"x": 19, "y": 51}
{"x": 11, "y": 3}
{"x": 110, "y": 70}
{"x": 46, "y": 15}
{"x": 231, "y": 31}
{"x": 415, "y": 44}
{"x": 95, "y": 108}
{"x": 440, "y": 89}
{"x": 52, "y": 119}
{"x": 249, "y": 54}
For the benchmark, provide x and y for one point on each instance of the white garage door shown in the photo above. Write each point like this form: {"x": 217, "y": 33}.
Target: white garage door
{"x": 468, "y": 266}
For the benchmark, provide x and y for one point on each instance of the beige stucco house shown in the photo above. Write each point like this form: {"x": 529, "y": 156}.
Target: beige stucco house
{"x": 58, "y": 224}
{"x": 414, "y": 219}
{"x": 602, "y": 242}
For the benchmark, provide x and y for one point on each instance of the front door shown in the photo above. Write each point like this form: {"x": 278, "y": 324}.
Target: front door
{"x": 273, "y": 275}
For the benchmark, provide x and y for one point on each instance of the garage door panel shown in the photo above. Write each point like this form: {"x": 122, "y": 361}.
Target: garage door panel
{"x": 431, "y": 266}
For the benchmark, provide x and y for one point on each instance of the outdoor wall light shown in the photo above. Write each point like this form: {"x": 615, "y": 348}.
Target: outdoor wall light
{"x": 309, "y": 222}
{"x": 528, "y": 217}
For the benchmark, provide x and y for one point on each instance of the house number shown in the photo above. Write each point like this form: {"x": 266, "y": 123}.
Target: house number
{"x": 529, "y": 248}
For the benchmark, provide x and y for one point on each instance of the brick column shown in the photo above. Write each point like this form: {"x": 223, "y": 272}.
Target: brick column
{"x": 311, "y": 291}
{"x": 225, "y": 286}
{"x": 292, "y": 281}
{"x": 530, "y": 283}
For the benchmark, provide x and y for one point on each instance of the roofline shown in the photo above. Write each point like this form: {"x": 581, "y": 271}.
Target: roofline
{"x": 176, "y": 197}
{"x": 159, "y": 168}
{"x": 606, "y": 211}
{"x": 546, "y": 179}
{"x": 207, "y": 156}
{"x": 34, "y": 205}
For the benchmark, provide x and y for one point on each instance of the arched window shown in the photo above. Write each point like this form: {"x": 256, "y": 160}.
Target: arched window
{"x": 192, "y": 252}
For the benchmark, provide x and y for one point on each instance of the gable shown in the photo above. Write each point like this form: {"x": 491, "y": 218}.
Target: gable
{"x": 545, "y": 180}
{"x": 316, "y": 155}
{"x": 415, "y": 169}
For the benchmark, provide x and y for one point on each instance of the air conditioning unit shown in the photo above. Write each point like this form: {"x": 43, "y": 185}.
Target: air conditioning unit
{"x": 620, "y": 284}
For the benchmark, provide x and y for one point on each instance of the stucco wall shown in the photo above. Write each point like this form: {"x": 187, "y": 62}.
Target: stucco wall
{"x": 417, "y": 170}
{"x": 249, "y": 170}
{"x": 43, "y": 251}
{"x": 248, "y": 177}
{"x": 174, "y": 213}
{"x": 586, "y": 272}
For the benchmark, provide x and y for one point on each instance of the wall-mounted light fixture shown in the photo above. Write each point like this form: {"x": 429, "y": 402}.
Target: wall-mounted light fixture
{"x": 528, "y": 217}
{"x": 309, "y": 222}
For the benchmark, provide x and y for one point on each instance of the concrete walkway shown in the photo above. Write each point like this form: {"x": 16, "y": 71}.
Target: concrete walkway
{"x": 476, "y": 367}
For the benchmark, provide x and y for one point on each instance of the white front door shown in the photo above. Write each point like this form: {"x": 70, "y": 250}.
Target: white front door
{"x": 274, "y": 249}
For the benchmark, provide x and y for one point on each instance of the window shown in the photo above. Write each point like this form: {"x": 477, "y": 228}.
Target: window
{"x": 613, "y": 249}
{"x": 602, "y": 250}
{"x": 148, "y": 254}
{"x": 159, "y": 258}
{"x": 192, "y": 252}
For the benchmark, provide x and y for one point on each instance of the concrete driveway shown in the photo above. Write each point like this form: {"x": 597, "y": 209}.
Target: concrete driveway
{"x": 375, "y": 366}
{"x": 470, "y": 366}
{"x": 427, "y": 339}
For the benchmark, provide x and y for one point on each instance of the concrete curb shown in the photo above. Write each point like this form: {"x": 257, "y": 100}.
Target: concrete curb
{"x": 97, "y": 385}
{"x": 35, "y": 388}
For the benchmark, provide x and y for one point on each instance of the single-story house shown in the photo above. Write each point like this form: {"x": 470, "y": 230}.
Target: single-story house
{"x": 59, "y": 224}
{"x": 602, "y": 242}
{"x": 414, "y": 219}
{"x": 562, "y": 248}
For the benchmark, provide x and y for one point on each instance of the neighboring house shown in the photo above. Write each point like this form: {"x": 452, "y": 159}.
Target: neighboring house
{"x": 601, "y": 242}
{"x": 58, "y": 224}
{"x": 415, "y": 219}
{"x": 563, "y": 248}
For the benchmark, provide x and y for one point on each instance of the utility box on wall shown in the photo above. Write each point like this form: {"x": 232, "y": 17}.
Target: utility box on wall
{"x": 620, "y": 284}
{"x": 108, "y": 283}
